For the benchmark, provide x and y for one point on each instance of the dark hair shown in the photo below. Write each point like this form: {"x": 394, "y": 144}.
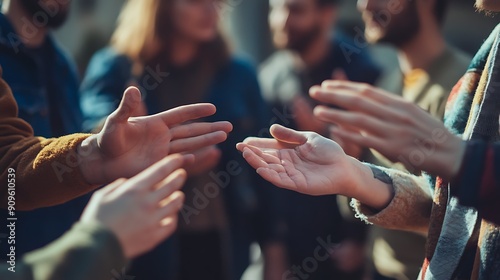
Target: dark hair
{"x": 440, "y": 10}
{"x": 328, "y": 2}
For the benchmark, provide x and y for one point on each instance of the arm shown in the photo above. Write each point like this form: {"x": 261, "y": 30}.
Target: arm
{"x": 409, "y": 209}
{"x": 87, "y": 250}
{"x": 122, "y": 220}
{"x": 35, "y": 160}
{"x": 53, "y": 171}
{"x": 398, "y": 129}
{"x": 308, "y": 163}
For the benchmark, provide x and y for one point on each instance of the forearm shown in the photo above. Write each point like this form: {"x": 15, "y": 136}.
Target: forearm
{"x": 45, "y": 171}
{"x": 42, "y": 171}
{"x": 408, "y": 209}
{"x": 87, "y": 251}
{"x": 370, "y": 188}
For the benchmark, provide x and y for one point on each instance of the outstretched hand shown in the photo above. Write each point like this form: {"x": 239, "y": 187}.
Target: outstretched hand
{"x": 127, "y": 145}
{"x": 396, "y": 128}
{"x": 301, "y": 161}
{"x": 141, "y": 211}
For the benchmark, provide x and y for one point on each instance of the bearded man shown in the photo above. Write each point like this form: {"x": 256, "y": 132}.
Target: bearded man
{"x": 309, "y": 52}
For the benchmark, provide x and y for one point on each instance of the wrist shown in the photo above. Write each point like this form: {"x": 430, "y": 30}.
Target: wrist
{"x": 91, "y": 161}
{"x": 370, "y": 189}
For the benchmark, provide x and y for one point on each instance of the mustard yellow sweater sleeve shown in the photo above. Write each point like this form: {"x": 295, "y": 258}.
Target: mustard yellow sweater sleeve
{"x": 45, "y": 171}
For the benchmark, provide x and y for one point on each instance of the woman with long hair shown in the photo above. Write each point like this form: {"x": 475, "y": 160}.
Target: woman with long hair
{"x": 173, "y": 51}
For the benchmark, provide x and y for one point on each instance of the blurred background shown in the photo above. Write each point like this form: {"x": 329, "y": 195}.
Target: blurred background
{"x": 245, "y": 25}
{"x": 92, "y": 22}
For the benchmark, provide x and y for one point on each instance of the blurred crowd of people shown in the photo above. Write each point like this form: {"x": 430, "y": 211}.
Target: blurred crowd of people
{"x": 166, "y": 54}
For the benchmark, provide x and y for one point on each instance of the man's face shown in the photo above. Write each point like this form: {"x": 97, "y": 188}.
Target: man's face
{"x": 53, "y": 13}
{"x": 391, "y": 21}
{"x": 295, "y": 23}
{"x": 488, "y": 5}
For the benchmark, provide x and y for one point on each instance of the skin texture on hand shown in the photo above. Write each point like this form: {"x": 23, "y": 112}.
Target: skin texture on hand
{"x": 308, "y": 163}
{"x": 398, "y": 129}
{"x": 126, "y": 145}
{"x": 141, "y": 211}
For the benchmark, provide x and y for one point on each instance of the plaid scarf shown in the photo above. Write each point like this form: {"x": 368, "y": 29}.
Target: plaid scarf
{"x": 460, "y": 244}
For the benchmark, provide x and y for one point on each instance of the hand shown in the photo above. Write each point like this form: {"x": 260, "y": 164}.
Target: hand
{"x": 301, "y": 161}
{"x": 349, "y": 148}
{"x": 126, "y": 145}
{"x": 311, "y": 164}
{"x": 396, "y": 128}
{"x": 141, "y": 211}
{"x": 304, "y": 117}
{"x": 205, "y": 159}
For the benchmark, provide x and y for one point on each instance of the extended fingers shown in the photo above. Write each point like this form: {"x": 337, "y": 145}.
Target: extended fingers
{"x": 367, "y": 91}
{"x": 288, "y": 135}
{"x": 186, "y": 113}
{"x": 354, "y": 137}
{"x": 170, "y": 206}
{"x": 353, "y": 101}
{"x": 168, "y": 186}
{"x": 197, "y": 142}
{"x": 352, "y": 120}
{"x": 157, "y": 172}
{"x": 199, "y": 128}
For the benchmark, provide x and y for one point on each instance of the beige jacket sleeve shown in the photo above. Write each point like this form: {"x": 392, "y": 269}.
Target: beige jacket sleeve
{"x": 409, "y": 210}
{"x": 87, "y": 251}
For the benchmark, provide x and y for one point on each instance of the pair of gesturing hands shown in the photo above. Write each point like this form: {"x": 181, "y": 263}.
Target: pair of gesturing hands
{"x": 302, "y": 161}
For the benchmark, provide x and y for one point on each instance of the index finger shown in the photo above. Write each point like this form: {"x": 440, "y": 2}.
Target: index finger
{"x": 186, "y": 113}
{"x": 367, "y": 91}
{"x": 158, "y": 171}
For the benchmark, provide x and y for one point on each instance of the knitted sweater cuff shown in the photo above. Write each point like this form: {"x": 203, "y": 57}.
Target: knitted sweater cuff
{"x": 409, "y": 209}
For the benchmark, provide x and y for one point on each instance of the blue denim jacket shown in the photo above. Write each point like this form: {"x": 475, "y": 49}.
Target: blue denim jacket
{"x": 25, "y": 73}
{"x": 22, "y": 72}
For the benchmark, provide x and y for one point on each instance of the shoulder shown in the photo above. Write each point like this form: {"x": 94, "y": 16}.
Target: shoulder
{"x": 107, "y": 63}
{"x": 109, "y": 58}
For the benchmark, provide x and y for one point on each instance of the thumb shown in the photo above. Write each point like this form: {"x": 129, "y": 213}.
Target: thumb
{"x": 287, "y": 135}
{"x": 131, "y": 101}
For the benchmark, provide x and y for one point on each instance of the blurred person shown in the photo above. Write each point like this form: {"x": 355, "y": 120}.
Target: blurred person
{"x": 456, "y": 204}
{"x": 176, "y": 54}
{"x": 429, "y": 68}
{"x": 45, "y": 84}
{"x": 122, "y": 220}
{"x": 309, "y": 52}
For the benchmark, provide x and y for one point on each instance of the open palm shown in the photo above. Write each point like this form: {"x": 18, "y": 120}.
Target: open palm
{"x": 127, "y": 145}
{"x": 301, "y": 161}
